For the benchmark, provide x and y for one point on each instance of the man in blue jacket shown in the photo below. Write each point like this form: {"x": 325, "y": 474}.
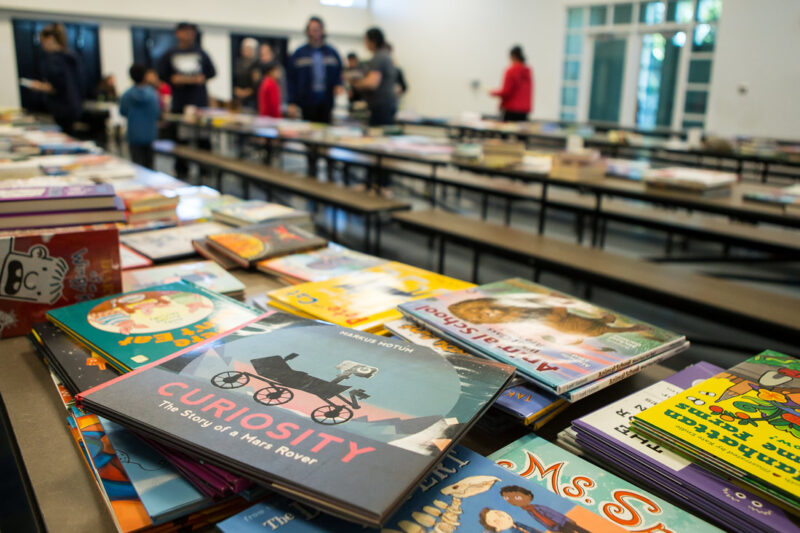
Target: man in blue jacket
{"x": 140, "y": 106}
{"x": 314, "y": 75}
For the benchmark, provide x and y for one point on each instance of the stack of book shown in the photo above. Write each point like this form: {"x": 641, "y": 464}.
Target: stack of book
{"x": 252, "y": 212}
{"x": 170, "y": 243}
{"x": 364, "y": 300}
{"x": 318, "y": 265}
{"x": 696, "y": 180}
{"x": 585, "y": 164}
{"x": 206, "y": 274}
{"x": 789, "y": 196}
{"x": 145, "y": 204}
{"x": 742, "y": 424}
{"x": 564, "y": 345}
{"x": 250, "y": 245}
{"x": 606, "y": 438}
{"x": 68, "y": 205}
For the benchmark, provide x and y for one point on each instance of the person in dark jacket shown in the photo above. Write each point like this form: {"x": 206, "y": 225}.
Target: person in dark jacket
{"x": 516, "y": 95}
{"x": 62, "y": 78}
{"x": 186, "y": 68}
{"x": 141, "y": 107}
{"x": 314, "y": 76}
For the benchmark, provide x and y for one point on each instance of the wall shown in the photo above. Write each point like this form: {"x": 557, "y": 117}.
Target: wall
{"x": 443, "y": 45}
{"x": 757, "y": 47}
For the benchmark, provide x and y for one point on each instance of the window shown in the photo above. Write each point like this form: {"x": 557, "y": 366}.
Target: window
{"x": 81, "y": 38}
{"x": 700, "y": 71}
{"x": 651, "y": 12}
{"x": 623, "y": 13}
{"x": 574, "y": 17}
{"x": 360, "y": 4}
{"x": 597, "y": 15}
{"x": 680, "y": 11}
{"x": 696, "y": 102}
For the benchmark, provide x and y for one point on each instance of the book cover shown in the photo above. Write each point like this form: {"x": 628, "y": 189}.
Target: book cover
{"x": 44, "y": 269}
{"x": 744, "y": 423}
{"x": 366, "y": 299}
{"x": 608, "y": 430}
{"x": 203, "y": 249}
{"x": 466, "y": 493}
{"x": 411, "y": 332}
{"x": 552, "y": 338}
{"x": 319, "y": 265}
{"x": 251, "y": 212}
{"x": 146, "y": 198}
{"x": 251, "y": 244}
{"x": 78, "y": 368}
{"x": 55, "y": 198}
{"x": 589, "y": 486}
{"x": 163, "y": 492}
{"x": 170, "y": 243}
{"x": 137, "y": 327}
{"x": 207, "y": 274}
{"x": 528, "y": 403}
{"x": 132, "y": 259}
{"x": 348, "y": 420}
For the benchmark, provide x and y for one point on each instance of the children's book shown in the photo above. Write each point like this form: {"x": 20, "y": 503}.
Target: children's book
{"x": 135, "y": 328}
{"x": 252, "y": 212}
{"x": 207, "y": 274}
{"x": 44, "y": 269}
{"x": 318, "y": 265}
{"x": 56, "y": 198}
{"x": 347, "y": 421}
{"x": 131, "y": 259}
{"x": 366, "y": 299}
{"x": 251, "y": 244}
{"x": 170, "y": 243}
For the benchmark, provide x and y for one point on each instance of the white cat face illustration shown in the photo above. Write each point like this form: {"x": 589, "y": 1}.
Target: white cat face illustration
{"x": 33, "y": 276}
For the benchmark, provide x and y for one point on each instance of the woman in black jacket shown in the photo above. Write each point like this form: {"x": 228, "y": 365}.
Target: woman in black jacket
{"x": 62, "y": 78}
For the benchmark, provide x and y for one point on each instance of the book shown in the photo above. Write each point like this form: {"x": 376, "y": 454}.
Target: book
{"x": 591, "y": 487}
{"x": 56, "y": 198}
{"x": 553, "y": 339}
{"x": 131, "y": 259}
{"x": 318, "y": 265}
{"x": 206, "y": 274}
{"x": 347, "y": 421}
{"x": 529, "y": 404}
{"x": 412, "y": 332}
{"x": 202, "y": 248}
{"x": 134, "y": 328}
{"x": 251, "y": 212}
{"x": 605, "y": 434}
{"x": 251, "y": 244}
{"x": 786, "y": 196}
{"x": 366, "y": 299}
{"x": 170, "y": 243}
{"x": 466, "y": 493}
{"x": 77, "y": 367}
{"x": 43, "y": 269}
{"x": 161, "y": 489}
{"x": 147, "y": 199}
{"x": 15, "y": 221}
{"x": 689, "y": 179}
{"x": 742, "y": 423}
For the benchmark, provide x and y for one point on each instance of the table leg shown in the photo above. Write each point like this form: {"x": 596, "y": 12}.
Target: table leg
{"x": 367, "y": 228}
{"x": 543, "y": 207}
{"x": 596, "y": 219}
{"x": 484, "y": 206}
{"x": 508, "y": 211}
{"x": 476, "y": 257}
{"x": 440, "y": 267}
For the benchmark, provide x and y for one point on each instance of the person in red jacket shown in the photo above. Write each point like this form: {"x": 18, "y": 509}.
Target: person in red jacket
{"x": 269, "y": 93}
{"x": 516, "y": 95}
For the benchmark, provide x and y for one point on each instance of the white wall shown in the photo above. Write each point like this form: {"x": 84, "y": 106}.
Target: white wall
{"x": 9, "y": 88}
{"x": 758, "y": 46}
{"x": 443, "y": 45}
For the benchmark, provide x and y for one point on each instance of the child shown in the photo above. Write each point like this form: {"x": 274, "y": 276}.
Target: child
{"x": 141, "y": 107}
{"x": 269, "y": 93}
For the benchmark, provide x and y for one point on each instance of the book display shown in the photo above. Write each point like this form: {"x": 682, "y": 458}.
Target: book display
{"x": 237, "y": 365}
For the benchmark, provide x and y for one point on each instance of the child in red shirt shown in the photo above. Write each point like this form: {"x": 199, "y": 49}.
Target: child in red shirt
{"x": 269, "y": 94}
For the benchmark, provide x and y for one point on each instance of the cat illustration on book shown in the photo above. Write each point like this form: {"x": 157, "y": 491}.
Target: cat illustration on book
{"x": 281, "y": 378}
{"x": 32, "y": 276}
{"x": 564, "y": 316}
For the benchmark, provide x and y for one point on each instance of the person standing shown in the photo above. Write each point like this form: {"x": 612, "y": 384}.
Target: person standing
{"x": 62, "y": 82}
{"x": 516, "y": 95}
{"x": 141, "y": 107}
{"x": 269, "y": 94}
{"x": 243, "y": 89}
{"x": 186, "y": 68}
{"x": 378, "y": 84}
{"x": 314, "y": 76}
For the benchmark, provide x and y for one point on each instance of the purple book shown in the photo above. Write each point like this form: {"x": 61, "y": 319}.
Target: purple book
{"x": 607, "y": 430}
{"x": 60, "y": 198}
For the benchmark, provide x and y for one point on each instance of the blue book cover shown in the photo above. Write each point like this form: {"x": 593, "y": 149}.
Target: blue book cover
{"x": 528, "y": 402}
{"x": 163, "y": 491}
{"x": 465, "y": 493}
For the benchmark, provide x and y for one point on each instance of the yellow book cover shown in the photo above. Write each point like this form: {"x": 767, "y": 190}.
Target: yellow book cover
{"x": 366, "y": 299}
{"x": 744, "y": 421}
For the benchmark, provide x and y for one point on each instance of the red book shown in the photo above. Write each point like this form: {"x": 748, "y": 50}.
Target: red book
{"x": 44, "y": 269}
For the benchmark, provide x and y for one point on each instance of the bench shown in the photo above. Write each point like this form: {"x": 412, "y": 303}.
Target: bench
{"x": 269, "y": 179}
{"x": 736, "y": 305}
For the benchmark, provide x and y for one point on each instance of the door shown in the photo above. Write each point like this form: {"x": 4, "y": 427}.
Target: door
{"x": 658, "y": 74}
{"x": 608, "y": 69}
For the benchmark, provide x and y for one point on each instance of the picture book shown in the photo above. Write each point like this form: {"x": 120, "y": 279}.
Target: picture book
{"x": 412, "y": 332}
{"x": 591, "y": 487}
{"x": 163, "y": 492}
{"x": 56, "y": 198}
{"x": 170, "y": 243}
{"x": 137, "y": 327}
{"x": 146, "y": 199}
{"x": 44, "y": 269}
{"x": 78, "y": 368}
{"x": 51, "y": 219}
{"x": 318, "y": 265}
{"x": 743, "y": 423}
{"x": 203, "y": 249}
{"x": 466, "y": 493}
{"x": 252, "y": 212}
{"x": 552, "y": 338}
{"x": 207, "y": 274}
{"x": 366, "y": 299}
{"x": 131, "y": 259}
{"x": 529, "y": 403}
{"x": 348, "y": 421}
{"x": 251, "y": 244}
{"x": 606, "y": 433}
